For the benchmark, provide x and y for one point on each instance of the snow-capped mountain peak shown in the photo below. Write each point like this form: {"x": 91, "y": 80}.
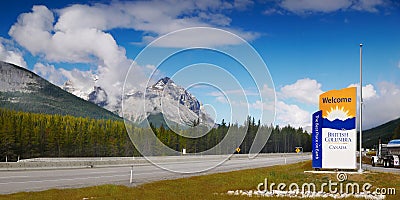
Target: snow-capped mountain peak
{"x": 162, "y": 83}
{"x": 99, "y": 97}
{"x": 173, "y": 101}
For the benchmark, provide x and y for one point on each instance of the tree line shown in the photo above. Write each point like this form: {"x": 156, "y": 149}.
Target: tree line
{"x": 280, "y": 140}
{"x": 30, "y": 135}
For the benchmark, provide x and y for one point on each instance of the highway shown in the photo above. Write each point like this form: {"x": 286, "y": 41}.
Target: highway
{"x": 42, "y": 179}
{"x": 381, "y": 169}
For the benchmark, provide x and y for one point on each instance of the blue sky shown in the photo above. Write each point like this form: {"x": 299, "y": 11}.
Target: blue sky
{"x": 309, "y": 46}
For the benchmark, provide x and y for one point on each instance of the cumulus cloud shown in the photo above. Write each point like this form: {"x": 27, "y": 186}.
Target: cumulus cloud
{"x": 368, "y": 90}
{"x": 34, "y": 31}
{"x": 292, "y": 114}
{"x": 301, "y": 6}
{"x": 380, "y": 104}
{"x": 368, "y": 5}
{"x": 269, "y": 99}
{"x": 384, "y": 107}
{"x": 304, "y": 90}
{"x": 37, "y": 33}
{"x": 10, "y": 54}
{"x": 83, "y": 81}
{"x": 50, "y": 73}
{"x": 315, "y": 6}
{"x": 243, "y": 4}
{"x": 272, "y": 11}
{"x": 153, "y": 18}
{"x": 80, "y": 34}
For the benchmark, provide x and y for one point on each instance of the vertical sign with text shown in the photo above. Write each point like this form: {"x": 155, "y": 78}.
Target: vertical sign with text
{"x": 334, "y": 130}
{"x": 316, "y": 140}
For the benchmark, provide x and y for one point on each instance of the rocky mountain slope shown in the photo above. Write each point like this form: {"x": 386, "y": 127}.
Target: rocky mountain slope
{"x": 23, "y": 90}
{"x": 164, "y": 97}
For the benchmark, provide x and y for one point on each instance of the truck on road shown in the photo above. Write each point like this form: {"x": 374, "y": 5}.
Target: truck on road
{"x": 387, "y": 154}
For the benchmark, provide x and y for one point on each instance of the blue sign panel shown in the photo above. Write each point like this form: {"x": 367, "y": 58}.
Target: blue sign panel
{"x": 317, "y": 139}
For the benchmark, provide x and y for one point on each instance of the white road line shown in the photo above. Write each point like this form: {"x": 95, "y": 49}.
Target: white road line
{"x": 82, "y": 178}
{"x": 106, "y": 172}
{"x": 65, "y": 179}
{"x": 5, "y": 177}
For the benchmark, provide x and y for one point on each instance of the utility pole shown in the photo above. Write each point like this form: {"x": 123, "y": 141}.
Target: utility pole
{"x": 361, "y": 105}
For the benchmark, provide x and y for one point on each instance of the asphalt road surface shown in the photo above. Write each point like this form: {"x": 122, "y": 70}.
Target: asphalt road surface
{"x": 381, "y": 169}
{"x": 37, "y": 180}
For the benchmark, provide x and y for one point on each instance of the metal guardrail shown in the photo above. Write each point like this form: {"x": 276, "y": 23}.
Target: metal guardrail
{"x": 77, "y": 159}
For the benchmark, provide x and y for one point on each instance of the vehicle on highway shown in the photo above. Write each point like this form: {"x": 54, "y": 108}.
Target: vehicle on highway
{"x": 387, "y": 154}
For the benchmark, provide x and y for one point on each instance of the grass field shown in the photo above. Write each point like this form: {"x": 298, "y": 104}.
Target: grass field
{"x": 214, "y": 186}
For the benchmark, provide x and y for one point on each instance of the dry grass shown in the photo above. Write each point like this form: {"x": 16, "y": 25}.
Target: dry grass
{"x": 212, "y": 186}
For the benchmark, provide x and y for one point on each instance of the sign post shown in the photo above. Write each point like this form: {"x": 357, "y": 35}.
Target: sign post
{"x": 238, "y": 150}
{"x": 299, "y": 150}
{"x": 131, "y": 177}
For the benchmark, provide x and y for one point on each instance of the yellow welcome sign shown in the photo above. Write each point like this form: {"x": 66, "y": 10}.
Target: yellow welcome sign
{"x": 334, "y": 130}
{"x": 338, "y": 104}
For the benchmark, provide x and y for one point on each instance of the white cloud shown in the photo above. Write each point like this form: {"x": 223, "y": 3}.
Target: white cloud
{"x": 268, "y": 99}
{"x": 383, "y": 108}
{"x": 386, "y": 88}
{"x": 368, "y": 90}
{"x": 219, "y": 19}
{"x": 83, "y": 80}
{"x": 271, "y": 11}
{"x": 153, "y": 18}
{"x": 10, "y": 54}
{"x": 243, "y": 4}
{"x": 302, "y": 6}
{"x": 312, "y": 6}
{"x": 99, "y": 16}
{"x": 50, "y": 73}
{"x": 75, "y": 44}
{"x": 368, "y": 5}
{"x": 32, "y": 30}
{"x": 36, "y": 33}
{"x": 303, "y": 90}
{"x": 78, "y": 33}
{"x": 293, "y": 115}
